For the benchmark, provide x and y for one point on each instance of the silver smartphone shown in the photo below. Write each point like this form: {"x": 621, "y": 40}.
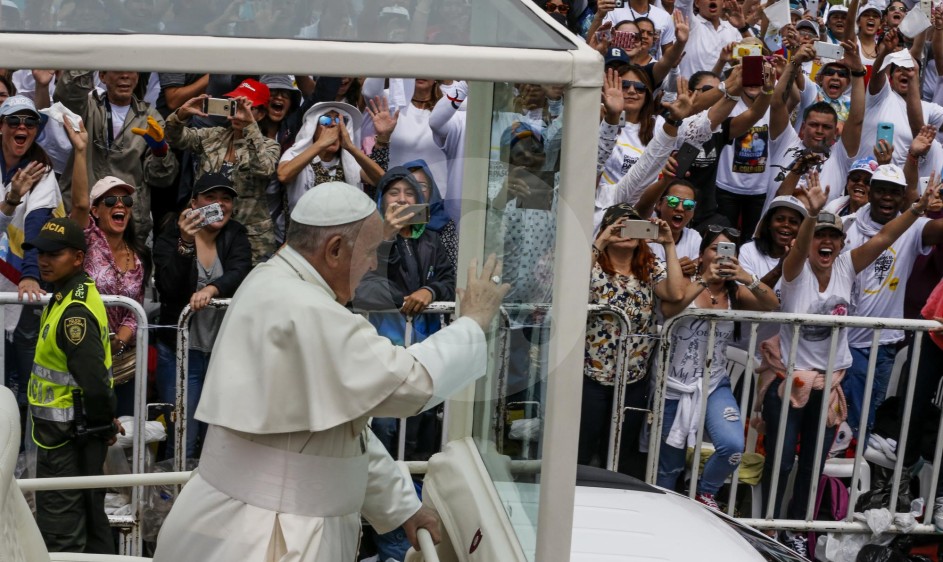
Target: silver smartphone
{"x": 421, "y": 216}
{"x": 825, "y": 50}
{"x": 641, "y": 230}
{"x": 212, "y": 213}
{"x": 219, "y": 107}
{"x": 725, "y": 251}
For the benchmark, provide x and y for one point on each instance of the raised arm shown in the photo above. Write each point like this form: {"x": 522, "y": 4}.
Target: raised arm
{"x": 918, "y": 148}
{"x": 888, "y": 45}
{"x": 779, "y": 108}
{"x": 672, "y": 55}
{"x": 740, "y": 124}
{"x": 851, "y": 132}
{"x": 671, "y": 289}
{"x": 814, "y": 198}
{"x": 862, "y": 256}
{"x": 81, "y": 206}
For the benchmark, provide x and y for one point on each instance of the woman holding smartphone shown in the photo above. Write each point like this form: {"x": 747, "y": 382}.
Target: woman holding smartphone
{"x": 817, "y": 278}
{"x": 720, "y": 284}
{"x": 626, "y": 274}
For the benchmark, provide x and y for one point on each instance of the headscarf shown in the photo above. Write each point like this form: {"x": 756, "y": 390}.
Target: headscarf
{"x": 304, "y": 139}
{"x": 438, "y": 217}
{"x": 393, "y": 175}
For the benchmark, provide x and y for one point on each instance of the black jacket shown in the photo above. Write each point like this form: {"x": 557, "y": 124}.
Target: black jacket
{"x": 176, "y": 275}
{"x": 404, "y": 266}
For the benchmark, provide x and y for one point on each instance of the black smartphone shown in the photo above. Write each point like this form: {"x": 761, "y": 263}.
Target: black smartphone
{"x": 540, "y": 185}
{"x": 685, "y": 158}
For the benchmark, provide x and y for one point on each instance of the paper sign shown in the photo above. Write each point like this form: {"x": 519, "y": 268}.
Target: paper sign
{"x": 778, "y": 14}
{"x": 914, "y": 23}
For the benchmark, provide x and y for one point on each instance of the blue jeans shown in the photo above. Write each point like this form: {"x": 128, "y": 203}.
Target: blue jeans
{"x": 801, "y": 425}
{"x": 856, "y": 375}
{"x": 722, "y": 424}
{"x": 167, "y": 389}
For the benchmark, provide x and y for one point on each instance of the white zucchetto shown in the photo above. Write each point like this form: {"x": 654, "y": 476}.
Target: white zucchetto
{"x": 331, "y": 204}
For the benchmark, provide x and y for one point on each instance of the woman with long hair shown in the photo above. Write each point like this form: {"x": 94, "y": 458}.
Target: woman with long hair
{"x": 118, "y": 262}
{"x": 720, "y": 284}
{"x": 626, "y": 274}
{"x": 640, "y": 122}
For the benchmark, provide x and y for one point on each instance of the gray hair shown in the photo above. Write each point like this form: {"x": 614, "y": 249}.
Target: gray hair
{"x": 307, "y": 240}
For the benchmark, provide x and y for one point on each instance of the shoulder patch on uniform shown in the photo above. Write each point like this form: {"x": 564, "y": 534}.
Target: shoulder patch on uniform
{"x": 80, "y": 292}
{"x": 75, "y": 330}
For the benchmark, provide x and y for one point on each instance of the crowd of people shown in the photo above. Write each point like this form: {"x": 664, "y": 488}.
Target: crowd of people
{"x": 783, "y": 162}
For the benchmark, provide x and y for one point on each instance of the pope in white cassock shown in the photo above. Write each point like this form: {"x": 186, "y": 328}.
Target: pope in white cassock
{"x": 289, "y": 464}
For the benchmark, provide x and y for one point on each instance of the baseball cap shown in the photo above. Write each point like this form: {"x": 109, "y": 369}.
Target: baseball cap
{"x": 898, "y": 58}
{"x": 836, "y": 9}
{"x": 255, "y": 91}
{"x": 211, "y": 181}
{"x": 616, "y": 212}
{"x": 616, "y": 54}
{"x": 867, "y": 7}
{"x": 789, "y": 202}
{"x": 105, "y": 184}
{"x": 808, "y": 23}
{"x": 829, "y": 220}
{"x": 18, "y": 104}
{"x": 58, "y": 234}
{"x": 889, "y": 173}
{"x": 868, "y": 165}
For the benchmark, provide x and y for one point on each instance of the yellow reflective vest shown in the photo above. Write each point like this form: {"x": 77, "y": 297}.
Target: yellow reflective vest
{"x": 50, "y": 383}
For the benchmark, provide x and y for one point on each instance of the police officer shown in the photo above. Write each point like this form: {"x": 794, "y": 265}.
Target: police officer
{"x": 73, "y": 352}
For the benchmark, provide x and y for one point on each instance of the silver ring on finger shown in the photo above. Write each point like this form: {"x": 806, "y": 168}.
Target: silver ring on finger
{"x": 496, "y": 279}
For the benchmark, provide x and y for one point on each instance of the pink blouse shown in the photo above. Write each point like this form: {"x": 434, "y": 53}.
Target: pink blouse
{"x": 100, "y": 265}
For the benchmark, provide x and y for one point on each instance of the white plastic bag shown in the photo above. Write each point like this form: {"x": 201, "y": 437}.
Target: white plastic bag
{"x": 153, "y": 431}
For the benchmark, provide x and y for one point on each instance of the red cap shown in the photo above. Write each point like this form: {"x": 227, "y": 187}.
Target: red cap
{"x": 255, "y": 91}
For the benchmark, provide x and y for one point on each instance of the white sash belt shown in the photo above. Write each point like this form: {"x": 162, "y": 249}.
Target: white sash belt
{"x": 283, "y": 481}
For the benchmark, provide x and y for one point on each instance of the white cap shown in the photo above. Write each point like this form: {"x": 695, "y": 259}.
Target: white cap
{"x": 890, "y": 173}
{"x": 900, "y": 58}
{"x": 331, "y": 204}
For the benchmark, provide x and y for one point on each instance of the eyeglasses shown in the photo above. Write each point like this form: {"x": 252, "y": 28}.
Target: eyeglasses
{"x": 729, "y": 232}
{"x": 328, "y": 121}
{"x": 674, "y": 200}
{"x": 646, "y": 33}
{"x": 840, "y": 72}
{"x": 112, "y": 200}
{"x": 807, "y": 33}
{"x": 897, "y": 8}
{"x": 15, "y": 121}
{"x": 562, "y": 8}
{"x": 638, "y": 86}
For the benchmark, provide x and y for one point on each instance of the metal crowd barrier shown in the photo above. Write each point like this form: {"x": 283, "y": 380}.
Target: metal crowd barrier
{"x": 130, "y": 542}
{"x": 770, "y": 521}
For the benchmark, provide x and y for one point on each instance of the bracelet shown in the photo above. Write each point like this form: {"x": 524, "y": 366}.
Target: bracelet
{"x": 859, "y": 73}
{"x": 768, "y": 92}
{"x": 122, "y": 347}
{"x": 916, "y": 213}
{"x": 381, "y": 141}
{"x": 743, "y": 29}
{"x": 186, "y": 249}
{"x": 755, "y": 283}
{"x": 596, "y": 251}
{"x": 11, "y": 203}
{"x": 674, "y": 122}
{"x": 734, "y": 99}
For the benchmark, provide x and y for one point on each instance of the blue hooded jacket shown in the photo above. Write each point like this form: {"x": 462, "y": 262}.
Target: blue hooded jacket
{"x": 405, "y": 265}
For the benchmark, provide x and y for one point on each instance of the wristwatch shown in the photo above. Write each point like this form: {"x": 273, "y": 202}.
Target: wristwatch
{"x": 917, "y": 213}
{"x": 674, "y": 122}
{"x": 859, "y": 73}
{"x": 755, "y": 283}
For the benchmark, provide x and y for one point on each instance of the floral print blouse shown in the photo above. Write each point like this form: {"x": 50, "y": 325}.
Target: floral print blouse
{"x": 100, "y": 266}
{"x": 637, "y": 298}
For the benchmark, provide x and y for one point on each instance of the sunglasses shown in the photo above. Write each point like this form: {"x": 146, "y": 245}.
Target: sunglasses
{"x": 897, "y": 8}
{"x": 15, "y": 121}
{"x": 703, "y": 89}
{"x": 112, "y": 200}
{"x": 328, "y": 121}
{"x": 840, "y": 72}
{"x": 551, "y": 8}
{"x": 729, "y": 232}
{"x": 638, "y": 86}
{"x": 674, "y": 200}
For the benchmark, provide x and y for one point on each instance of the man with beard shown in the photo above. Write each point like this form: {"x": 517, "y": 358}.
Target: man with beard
{"x": 881, "y": 286}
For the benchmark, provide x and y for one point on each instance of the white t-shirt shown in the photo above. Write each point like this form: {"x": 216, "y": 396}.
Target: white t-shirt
{"x": 664, "y": 25}
{"x": 412, "y": 139}
{"x": 705, "y": 43}
{"x": 756, "y": 263}
{"x": 802, "y": 296}
{"x": 118, "y": 115}
{"x": 688, "y": 246}
{"x": 887, "y": 106}
{"x": 880, "y": 287}
{"x": 744, "y": 165}
{"x": 625, "y": 154}
{"x": 834, "y": 170}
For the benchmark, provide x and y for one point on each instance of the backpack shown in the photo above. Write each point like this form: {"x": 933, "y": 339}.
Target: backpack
{"x": 831, "y": 502}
